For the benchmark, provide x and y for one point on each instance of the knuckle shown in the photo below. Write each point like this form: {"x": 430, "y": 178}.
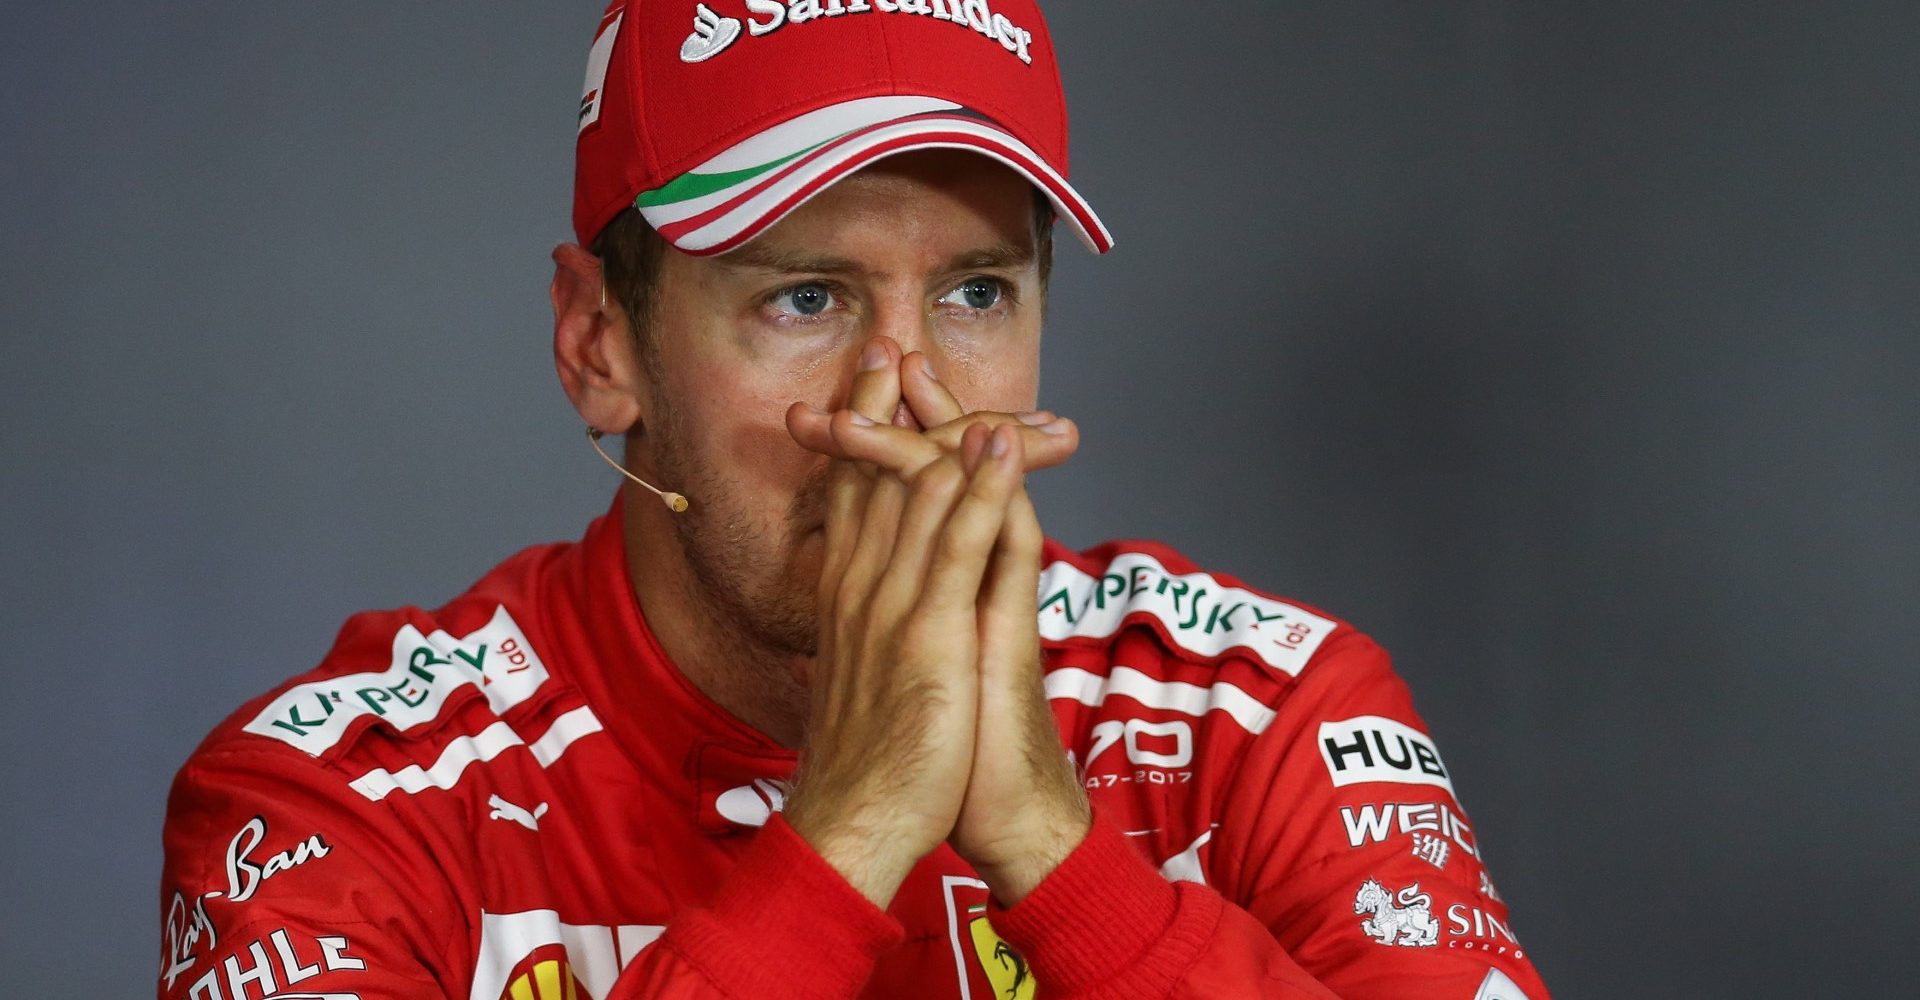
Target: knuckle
{"x": 964, "y": 545}
{"x": 845, "y": 604}
{"x": 990, "y": 487}
{"x": 941, "y": 477}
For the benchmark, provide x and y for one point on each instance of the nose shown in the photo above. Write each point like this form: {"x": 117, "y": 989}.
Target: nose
{"x": 906, "y": 322}
{"x": 883, "y": 350}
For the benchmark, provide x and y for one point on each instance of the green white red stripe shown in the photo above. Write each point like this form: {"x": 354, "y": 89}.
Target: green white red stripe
{"x": 728, "y": 200}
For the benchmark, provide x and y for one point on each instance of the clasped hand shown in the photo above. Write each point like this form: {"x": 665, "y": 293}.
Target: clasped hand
{"x": 928, "y": 720}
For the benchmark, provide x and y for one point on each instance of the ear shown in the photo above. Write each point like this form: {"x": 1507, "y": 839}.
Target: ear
{"x": 593, "y": 345}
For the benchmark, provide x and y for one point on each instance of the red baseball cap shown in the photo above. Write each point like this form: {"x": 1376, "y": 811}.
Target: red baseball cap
{"x": 715, "y": 119}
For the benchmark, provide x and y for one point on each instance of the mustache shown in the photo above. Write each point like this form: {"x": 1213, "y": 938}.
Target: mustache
{"x": 809, "y": 505}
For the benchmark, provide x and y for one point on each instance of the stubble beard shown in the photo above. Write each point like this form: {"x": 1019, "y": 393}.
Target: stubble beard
{"x": 747, "y": 580}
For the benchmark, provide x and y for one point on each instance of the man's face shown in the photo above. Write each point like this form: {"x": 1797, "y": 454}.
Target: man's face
{"x": 933, "y": 249}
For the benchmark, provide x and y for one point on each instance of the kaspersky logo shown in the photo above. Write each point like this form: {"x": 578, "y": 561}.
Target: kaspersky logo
{"x": 713, "y": 32}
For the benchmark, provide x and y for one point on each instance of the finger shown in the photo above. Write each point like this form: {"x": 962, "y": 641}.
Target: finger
{"x": 932, "y": 497}
{"x": 1009, "y": 596}
{"x": 959, "y": 559}
{"x": 875, "y": 391}
{"x": 904, "y": 452}
{"x": 878, "y": 525}
{"x": 936, "y": 407}
{"x": 906, "y": 576}
{"x": 892, "y": 449}
{"x": 874, "y": 394}
{"x": 847, "y": 489}
{"x": 973, "y": 445}
{"x": 876, "y": 386}
{"x": 1049, "y": 440}
{"x": 926, "y": 396}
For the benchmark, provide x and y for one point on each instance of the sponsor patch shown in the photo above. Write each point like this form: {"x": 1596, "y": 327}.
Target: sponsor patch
{"x": 188, "y": 934}
{"x": 1004, "y": 967}
{"x": 514, "y": 945}
{"x": 1471, "y": 928}
{"x": 1198, "y": 613}
{"x": 424, "y": 672}
{"x": 1372, "y": 824}
{"x": 987, "y": 967}
{"x": 189, "y": 931}
{"x": 248, "y": 867}
{"x": 1400, "y": 919}
{"x": 711, "y": 34}
{"x": 1431, "y": 849}
{"x": 500, "y": 808}
{"x": 765, "y": 17}
{"x": 1404, "y": 918}
{"x": 266, "y": 964}
{"x": 1371, "y": 748}
{"x": 1497, "y": 986}
{"x": 546, "y": 974}
{"x": 593, "y": 91}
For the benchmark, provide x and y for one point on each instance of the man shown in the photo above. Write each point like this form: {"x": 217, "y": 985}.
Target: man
{"x": 839, "y": 721}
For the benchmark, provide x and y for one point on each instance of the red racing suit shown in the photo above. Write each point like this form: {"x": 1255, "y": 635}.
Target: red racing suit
{"x": 518, "y": 797}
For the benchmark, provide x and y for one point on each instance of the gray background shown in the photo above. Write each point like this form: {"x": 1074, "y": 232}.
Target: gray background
{"x": 1569, "y": 348}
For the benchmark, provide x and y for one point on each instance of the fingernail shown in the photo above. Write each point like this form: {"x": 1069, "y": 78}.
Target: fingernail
{"x": 814, "y": 409}
{"x": 873, "y": 358}
{"x": 1054, "y": 427}
{"x": 1035, "y": 418}
{"x": 860, "y": 419}
{"x": 1000, "y": 444}
{"x": 927, "y": 366}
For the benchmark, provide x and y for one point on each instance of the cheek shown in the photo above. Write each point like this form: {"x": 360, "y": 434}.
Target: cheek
{"x": 739, "y": 427}
{"x": 1003, "y": 381}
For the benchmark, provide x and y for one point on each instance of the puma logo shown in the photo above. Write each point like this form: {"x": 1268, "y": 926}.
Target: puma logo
{"x": 502, "y": 809}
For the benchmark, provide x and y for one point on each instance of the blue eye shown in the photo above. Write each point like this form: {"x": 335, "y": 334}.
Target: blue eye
{"x": 975, "y": 293}
{"x": 806, "y": 300}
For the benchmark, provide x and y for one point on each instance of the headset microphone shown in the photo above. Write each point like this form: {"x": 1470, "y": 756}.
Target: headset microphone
{"x": 674, "y": 501}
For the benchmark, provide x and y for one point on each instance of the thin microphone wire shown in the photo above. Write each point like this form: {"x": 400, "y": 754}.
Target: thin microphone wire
{"x": 674, "y": 501}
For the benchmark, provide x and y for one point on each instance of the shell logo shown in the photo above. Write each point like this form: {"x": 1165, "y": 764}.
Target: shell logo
{"x": 544, "y": 975}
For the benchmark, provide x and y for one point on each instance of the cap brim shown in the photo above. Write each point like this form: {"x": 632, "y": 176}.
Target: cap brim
{"x": 731, "y": 198}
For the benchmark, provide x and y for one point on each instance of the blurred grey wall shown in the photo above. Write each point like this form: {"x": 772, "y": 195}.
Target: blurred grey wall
{"x": 1569, "y": 348}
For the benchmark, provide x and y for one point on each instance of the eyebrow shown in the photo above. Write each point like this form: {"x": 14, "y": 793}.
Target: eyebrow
{"x": 1001, "y": 255}
{"x": 759, "y": 257}
{"x": 779, "y": 260}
